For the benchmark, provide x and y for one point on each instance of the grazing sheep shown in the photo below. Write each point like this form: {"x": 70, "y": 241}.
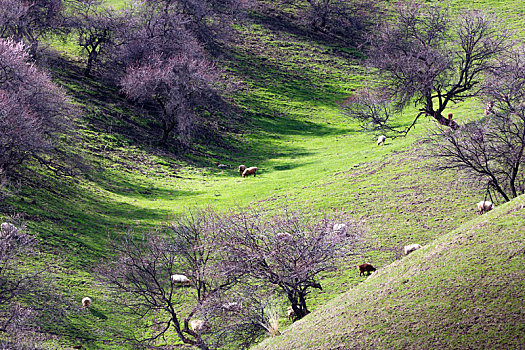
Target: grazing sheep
{"x": 381, "y": 140}
{"x": 365, "y": 268}
{"x": 181, "y": 280}
{"x": 7, "y": 229}
{"x": 285, "y": 236}
{"x": 231, "y": 307}
{"x": 340, "y": 229}
{"x": 290, "y": 312}
{"x": 86, "y": 303}
{"x": 411, "y": 247}
{"x": 249, "y": 171}
{"x": 489, "y": 108}
{"x": 221, "y": 166}
{"x": 199, "y": 326}
{"x": 242, "y": 168}
{"x": 485, "y": 206}
{"x": 450, "y": 115}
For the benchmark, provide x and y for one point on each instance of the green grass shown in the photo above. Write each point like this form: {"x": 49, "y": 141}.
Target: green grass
{"x": 464, "y": 290}
{"x": 292, "y": 129}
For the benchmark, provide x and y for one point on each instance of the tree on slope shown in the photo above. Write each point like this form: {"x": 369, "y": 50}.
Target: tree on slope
{"x": 142, "y": 276}
{"x": 164, "y": 68}
{"x": 95, "y": 27}
{"x": 425, "y": 56}
{"x": 176, "y": 86}
{"x": 33, "y": 111}
{"x": 29, "y": 20}
{"x": 491, "y": 151}
{"x": 289, "y": 251}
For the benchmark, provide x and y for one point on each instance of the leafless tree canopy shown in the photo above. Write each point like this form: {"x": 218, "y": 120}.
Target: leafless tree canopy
{"x": 289, "y": 251}
{"x": 28, "y": 20}
{"x": 28, "y": 298}
{"x": 176, "y": 85}
{"x": 491, "y": 151}
{"x": 33, "y": 110}
{"x": 427, "y": 57}
{"x": 142, "y": 276}
{"x": 95, "y": 27}
{"x": 372, "y": 111}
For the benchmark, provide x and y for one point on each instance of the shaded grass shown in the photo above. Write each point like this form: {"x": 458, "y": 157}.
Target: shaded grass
{"x": 292, "y": 128}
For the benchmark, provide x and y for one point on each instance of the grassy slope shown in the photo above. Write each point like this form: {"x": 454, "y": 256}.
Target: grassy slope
{"x": 465, "y": 290}
{"x": 295, "y": 133}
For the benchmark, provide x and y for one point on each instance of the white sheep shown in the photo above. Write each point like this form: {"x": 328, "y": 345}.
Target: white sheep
{"x": 290, "y": 312}
{"x": 231, "y": 307}
{"x": 86, "y": 303}
{"x": 181, "y": 280}
{"x": 285, "y": 236}
{"x": 340, "y": 229}
{"x": 411, "y": 248}
{"x": 381, "y": 140}
{"x": 489, "y": 108}
{"x": 7, "y": 229}
{"x": 485, "y": 206}
{"x": 242, "y": 168}
{"x": 249, "y": 171}
{"x": 199, "y": 326}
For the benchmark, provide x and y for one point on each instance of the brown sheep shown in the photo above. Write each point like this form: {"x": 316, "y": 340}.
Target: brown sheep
{"x": 242, "y": 168}
{"x": 250, "y": 171}
{"x": 365, "y": 268}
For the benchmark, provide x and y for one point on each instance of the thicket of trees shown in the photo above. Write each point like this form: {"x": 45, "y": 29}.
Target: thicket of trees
{"x": 34, "y": 112}
{"x": 159, "y": 53}
{"x": 28, "y": 297}
{"x": 236, "y": 263}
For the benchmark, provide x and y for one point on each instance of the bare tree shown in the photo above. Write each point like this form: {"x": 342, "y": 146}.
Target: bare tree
{"x": 33, "y": 110}
{"x": 372, "y": 111}
{"x": 207, "y": 20}
{"x": 95, "y": 26}
{"x": 29, "y": 20}
{"x": 177, "y": 86}
{"x": 29, "y": 300}
{"x": 142, "y": 276}
{"x": 425, "y": 56}
{"x": 346, "y": 19}
{"x": 14, "y": 244}
{"x": 492, "y": 150}
{"x": 289, "y": 251}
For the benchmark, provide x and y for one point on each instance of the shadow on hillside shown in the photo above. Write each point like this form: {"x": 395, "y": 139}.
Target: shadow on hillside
{"x": 81, "y": 219}
{"x": 278, "y": 22}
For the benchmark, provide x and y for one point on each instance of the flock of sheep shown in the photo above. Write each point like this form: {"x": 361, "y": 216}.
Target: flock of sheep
{"x": 202, "y": 326}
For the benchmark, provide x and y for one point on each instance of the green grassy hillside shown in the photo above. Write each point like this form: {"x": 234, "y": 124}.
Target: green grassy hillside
{"x": 465, "y": 290}
{"x": 290, "y": 125}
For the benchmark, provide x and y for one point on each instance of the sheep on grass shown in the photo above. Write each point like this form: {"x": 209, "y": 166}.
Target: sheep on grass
{"x": 485, "y": 206}
{"x": 249, "y": 171}
{"x": 242, "y": 168}
{"x": 199, "y": 326}
{"x": 180, "y": 280}
{"x": 411, "y": 248}
{"x": 86, "y": 303}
